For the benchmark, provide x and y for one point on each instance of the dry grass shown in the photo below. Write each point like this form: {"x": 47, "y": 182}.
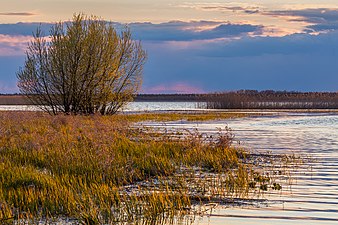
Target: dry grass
{"x": 102, "y": 170}
{"x": 188, "y": 116}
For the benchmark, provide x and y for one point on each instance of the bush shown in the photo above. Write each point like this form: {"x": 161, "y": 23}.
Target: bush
{"x": 84, "y": 67}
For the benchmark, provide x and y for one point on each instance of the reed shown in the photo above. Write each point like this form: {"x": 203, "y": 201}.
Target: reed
{"x": 252, "y": 99}
{"x": 103, "y": 170}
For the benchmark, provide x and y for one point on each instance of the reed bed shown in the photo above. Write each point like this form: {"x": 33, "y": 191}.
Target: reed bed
{"x": 104, "y": 170}
{"x": 252, "y": 99}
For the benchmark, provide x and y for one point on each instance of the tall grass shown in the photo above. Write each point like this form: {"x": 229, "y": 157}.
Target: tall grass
{"x": 100, "y": 170}
{"x": 251, "y": 99}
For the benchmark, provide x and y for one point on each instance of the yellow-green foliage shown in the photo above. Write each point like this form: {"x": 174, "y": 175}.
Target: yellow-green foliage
{"x": 79, "y": 167}
{"x": 189, "y": 116}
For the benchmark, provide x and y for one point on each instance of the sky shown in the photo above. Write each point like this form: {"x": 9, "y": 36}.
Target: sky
{"x": 199, "y": 46}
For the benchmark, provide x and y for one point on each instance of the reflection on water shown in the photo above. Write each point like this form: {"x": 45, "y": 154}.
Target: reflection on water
{"x": 18, "y": 108}
{"x": 159, "y": 106}
{"x": 131, "y": 107}
{"x": 314, "y": 197}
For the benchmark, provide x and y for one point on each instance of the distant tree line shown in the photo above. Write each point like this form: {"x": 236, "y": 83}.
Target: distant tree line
{"x": 269, "y": 99}
{"x": 243, "y": 99}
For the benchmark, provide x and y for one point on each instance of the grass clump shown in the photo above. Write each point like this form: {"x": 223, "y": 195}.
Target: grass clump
{"x": 103, "y": 170}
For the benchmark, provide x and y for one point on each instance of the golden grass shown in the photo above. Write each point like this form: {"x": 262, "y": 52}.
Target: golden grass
{"x": 103, "y": 170}
{"x": 188, "y": 116}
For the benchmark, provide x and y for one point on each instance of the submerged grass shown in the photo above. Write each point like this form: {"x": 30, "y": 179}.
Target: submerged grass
{"x": 102, "y": 170}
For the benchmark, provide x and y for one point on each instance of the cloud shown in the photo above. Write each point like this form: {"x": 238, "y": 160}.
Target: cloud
{"x": 13, "y": 45}
{"x": 302, "y": 62}
{"x": 200, "y": 56}
{"x": 24, "y": 28}
{"x": 319, "y": 15}
{"x": 170, "y": 31}
{"x": 14, "y": 37}
{"x": 247, "y": 10}
{"x": 257, "y": 46}
{"x": 309, "y": 18}
{"x": 319, "y": 19}
{"x": 17, "y": 14}
{"x": 193, "y": 30}
{"x": 237, "y": 7}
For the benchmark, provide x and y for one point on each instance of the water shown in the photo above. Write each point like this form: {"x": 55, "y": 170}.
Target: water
{"x": 313, "y": 198}
{"x": 131, "y": 107}
{"x": 159, "y": 106}
{"x": 18, "y": 108}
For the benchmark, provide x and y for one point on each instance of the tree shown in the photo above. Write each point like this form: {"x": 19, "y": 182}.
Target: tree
{"x": 84, "y": 67}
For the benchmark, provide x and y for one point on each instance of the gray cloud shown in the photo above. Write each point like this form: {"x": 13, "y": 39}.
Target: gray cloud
{"x": 321, "y": 19}
{"x": 301, "y": 62}
{"x": 24, "y": 28}
{"x": 187, "y": 31}
{"x": 288, "y": 45}
{"x": 16, "y": 14}
{"x": 324, "y": 19}
{"x": 170, "y": 31}
{"x": 247, "y": 9}
{"x": 319, "y": 15}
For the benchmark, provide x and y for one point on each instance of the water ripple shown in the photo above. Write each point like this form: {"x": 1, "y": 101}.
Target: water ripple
{"x": 313, "y": 199}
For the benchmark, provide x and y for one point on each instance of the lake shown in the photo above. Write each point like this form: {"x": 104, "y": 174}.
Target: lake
{"x": 313, "y": 197}
{"x": 131, "y": 107}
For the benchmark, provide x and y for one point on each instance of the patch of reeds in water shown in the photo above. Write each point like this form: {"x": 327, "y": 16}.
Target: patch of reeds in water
{"x": 103, "y": 170}
{"x": 268, "y": 99}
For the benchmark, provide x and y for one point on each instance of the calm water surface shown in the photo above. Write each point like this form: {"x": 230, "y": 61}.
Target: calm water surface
{"x": 313, "y": 197}
{"x": 131, "y": 107}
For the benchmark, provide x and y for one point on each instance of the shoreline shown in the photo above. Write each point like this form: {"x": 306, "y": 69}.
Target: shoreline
{"x": 12, "y": 100}
{"x": 32, "y": 108}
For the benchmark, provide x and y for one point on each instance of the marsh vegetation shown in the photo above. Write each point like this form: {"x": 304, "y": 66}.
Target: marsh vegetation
{"x": 269, "y": 99}
{"x": 106, "y": 170}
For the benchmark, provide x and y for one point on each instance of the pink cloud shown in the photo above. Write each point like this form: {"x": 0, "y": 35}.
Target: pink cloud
{"x": 179, "y": 88}
{"x": 12, "y": 45}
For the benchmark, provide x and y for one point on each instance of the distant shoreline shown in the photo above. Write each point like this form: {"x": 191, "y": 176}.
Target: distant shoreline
{"x": 13, "y": 100}
{"x": 17, "y": 99}
{"x": 232, "y": 101}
